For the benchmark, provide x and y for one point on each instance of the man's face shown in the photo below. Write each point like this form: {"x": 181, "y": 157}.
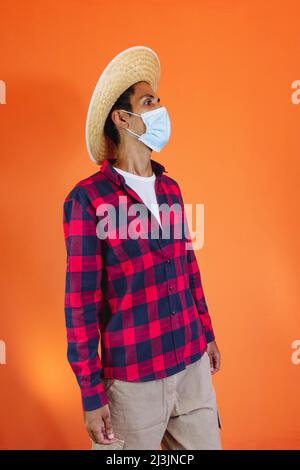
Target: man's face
{"x": 144, "y": 99}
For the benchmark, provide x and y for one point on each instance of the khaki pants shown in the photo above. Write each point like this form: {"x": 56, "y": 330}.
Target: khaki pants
{"x": 176, "y": 412}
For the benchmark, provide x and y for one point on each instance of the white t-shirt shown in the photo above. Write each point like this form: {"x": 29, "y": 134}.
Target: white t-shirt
{"x": 144, "y": 187}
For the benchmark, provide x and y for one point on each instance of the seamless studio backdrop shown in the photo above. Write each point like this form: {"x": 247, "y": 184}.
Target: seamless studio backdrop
{"x": 231, "y": 82}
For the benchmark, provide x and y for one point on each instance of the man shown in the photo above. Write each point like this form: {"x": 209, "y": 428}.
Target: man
{"x": 152, "y": 384}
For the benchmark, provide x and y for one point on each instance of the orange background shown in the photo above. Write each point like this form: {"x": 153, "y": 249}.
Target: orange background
{"x": 227, "y": 73}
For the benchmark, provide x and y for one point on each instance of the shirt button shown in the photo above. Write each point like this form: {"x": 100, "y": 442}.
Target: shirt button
{"x": 173, "y": 313}
{"x": 170, "y": 287}
{"x": 168, "y": 261}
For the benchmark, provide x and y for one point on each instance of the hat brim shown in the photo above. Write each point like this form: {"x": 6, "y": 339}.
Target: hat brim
{"x": 135, "y": 64}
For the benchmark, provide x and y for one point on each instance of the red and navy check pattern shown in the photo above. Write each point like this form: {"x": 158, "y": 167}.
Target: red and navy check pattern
{"x": 140, "y": 299}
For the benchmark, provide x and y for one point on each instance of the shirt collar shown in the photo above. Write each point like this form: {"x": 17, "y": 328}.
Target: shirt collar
{"x": 111, "y": 173}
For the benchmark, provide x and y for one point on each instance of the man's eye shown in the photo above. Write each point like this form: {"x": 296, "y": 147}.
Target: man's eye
{"x": 147, "y": 101}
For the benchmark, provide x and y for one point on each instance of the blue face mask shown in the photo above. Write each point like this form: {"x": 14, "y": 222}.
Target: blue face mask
{"x": 158, "y": 128}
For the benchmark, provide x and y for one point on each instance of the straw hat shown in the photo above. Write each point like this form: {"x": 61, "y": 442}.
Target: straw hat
{"x": 135, "y": 64}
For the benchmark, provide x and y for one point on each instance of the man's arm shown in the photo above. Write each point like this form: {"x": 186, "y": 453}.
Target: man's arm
{"x": 195, "y": 281}
{"x": 83, "y": 302}
{"x": 83, "y": 297}
{"x": 198, "y": 294}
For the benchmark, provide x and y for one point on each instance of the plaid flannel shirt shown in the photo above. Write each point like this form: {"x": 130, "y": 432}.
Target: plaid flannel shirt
{"x": 140, "y": 299}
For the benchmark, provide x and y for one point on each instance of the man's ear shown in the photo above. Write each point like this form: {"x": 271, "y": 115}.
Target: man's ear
{"x": 117, "y": 117}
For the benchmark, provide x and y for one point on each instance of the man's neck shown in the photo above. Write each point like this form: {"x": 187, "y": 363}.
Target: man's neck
{"x": 139, "y": 167}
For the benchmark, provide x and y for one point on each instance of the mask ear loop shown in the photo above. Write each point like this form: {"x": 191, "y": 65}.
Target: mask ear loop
{"x": 132, "y": 132}
{"x": 129, "y": 112}
{"x": 129, "y": 129}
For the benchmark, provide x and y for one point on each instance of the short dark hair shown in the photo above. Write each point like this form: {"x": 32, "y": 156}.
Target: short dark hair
{"x": 123, "y": 102}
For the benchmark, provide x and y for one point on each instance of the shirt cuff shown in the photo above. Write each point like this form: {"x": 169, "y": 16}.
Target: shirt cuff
{"x": 94, "y": 398}
{"x": 209, "y": 336}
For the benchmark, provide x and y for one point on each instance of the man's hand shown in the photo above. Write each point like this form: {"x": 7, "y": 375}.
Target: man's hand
{"x": 214, "y": 356}
{"x": 98, "y": 425}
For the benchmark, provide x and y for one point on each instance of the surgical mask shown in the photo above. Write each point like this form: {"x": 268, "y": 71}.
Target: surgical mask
{"x": 158, "y": 128}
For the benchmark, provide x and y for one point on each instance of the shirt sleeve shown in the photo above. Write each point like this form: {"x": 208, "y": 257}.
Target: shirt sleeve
{"x": 83, "y": 297}
{"x": 195, "y": 281}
